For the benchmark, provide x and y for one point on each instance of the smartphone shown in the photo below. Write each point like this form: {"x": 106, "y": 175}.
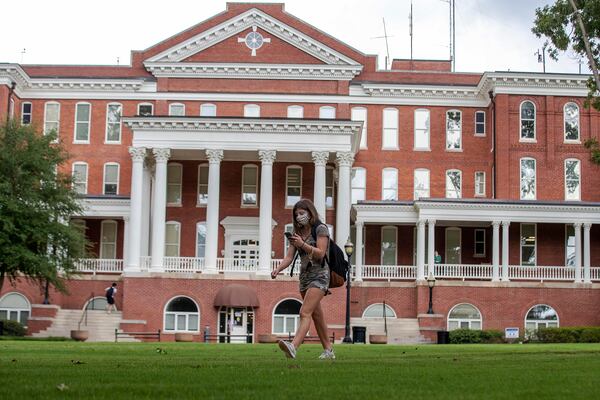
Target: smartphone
{"x": 288, "y": 235}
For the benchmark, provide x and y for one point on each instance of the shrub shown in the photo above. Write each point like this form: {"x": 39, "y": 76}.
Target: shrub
{"x": 462, "y": 336}
{"x": 492, "y": 336}
{"x": 13, "y": 328}
{"x": 568, "y": 335}
{"x": 590, "y": 335}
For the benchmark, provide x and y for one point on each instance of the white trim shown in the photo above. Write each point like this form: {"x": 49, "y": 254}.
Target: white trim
{"x": 537, "y": 321}
{"x": 86, "y": 174}
{"x": 395, "y": 229}
{"x": 180, "y": 184}
{"x": 179, "y": 105}
{"x": 46, "y": 131}
{"x": 178, "y": 224}
{"x": 106, "y": 141}
{"x": 475, "y": 254}
{"x": 565, "y": 179}
{"x": 387, "y": 306}
{"x": 324, "y": 110}
{"x": 453, "y": 228}
{"x": 461, "y": 183}
{"x": 479, "y": 194}
{"x": 102, "y": 243}
{"x": 460, "y": 147}
{"x": 480, "y": 320}
{"x": 396, "y": 113}
{"x": 105, "y": 207}
{"x": 535, "y": 235}
{"x": 484, "y": 123}
{"x": 165, "y": 330}
{"x": 534, "y": 177}
{"x": 30, "y": 113}
{"x": 296, "y": 320}
{"x": 110, "y": 163}
{"x": 145, "y": 104}
{"x": 528, "y": 140}
{"x": 428, "y": 182}
{"x": 578, "y": 140}
{"x": 285, "y": 199}
{"x": 76, "y": 123}
{"x": 198, "y": 204}
{"x": 256, "y": 186}
{"x": 208, "y": 105}
{"x": 18, "y": 310}
{"x": 427, "y": 131}
{"x": 295, "y": 107}
{"x": 383, "y": 188}
{"x": 250, "y": 109}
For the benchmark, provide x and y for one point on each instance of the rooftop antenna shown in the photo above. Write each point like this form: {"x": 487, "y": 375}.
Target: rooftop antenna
{"x": 410, "y": 29}
{"x": 542, "y": 57}
{"x": 452, "y": 34}
{"x": 387, "y": 49}
{"x": 118, "y": 60}
{"x": 23, "y": 54}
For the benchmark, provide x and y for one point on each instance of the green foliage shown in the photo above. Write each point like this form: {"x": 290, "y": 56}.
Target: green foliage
{"x": 36, "y": 240}
{"x": 568, "y": 335}
{"x": 13, "y": 328}
{"x": 464, "y": 336}
{"x": 592, "y": 145}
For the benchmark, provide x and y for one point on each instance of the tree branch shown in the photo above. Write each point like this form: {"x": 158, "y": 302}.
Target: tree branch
{"x": 586, "y": 41}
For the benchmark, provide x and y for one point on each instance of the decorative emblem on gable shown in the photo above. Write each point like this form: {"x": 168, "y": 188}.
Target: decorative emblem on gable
{"x": 254, "y": 40}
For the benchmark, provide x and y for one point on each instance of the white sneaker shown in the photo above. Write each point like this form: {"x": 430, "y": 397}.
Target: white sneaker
{"x": 288, "y": 348}
{"x": 327, "y": 355}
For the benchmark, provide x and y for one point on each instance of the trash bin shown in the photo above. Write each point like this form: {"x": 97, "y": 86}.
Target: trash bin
{"x": 443, "y": 337}
{"x": 359, "y": 334}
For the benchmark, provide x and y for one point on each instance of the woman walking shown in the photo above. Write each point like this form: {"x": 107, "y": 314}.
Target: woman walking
{"x": 314, "y": 275}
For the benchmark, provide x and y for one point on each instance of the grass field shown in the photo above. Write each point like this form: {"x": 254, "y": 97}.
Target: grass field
{"x": 71, "y": 370}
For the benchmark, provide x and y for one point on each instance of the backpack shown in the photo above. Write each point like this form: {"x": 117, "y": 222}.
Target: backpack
{"x": 109, "y": 292}
{"x": 337, "y": 263}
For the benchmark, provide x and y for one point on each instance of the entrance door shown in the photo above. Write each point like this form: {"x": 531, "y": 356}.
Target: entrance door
{"x": 236, "y": 325}
{"x": 245, "y": 253}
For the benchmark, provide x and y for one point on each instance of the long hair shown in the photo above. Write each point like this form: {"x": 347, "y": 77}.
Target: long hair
{"x": 305, "y": 204}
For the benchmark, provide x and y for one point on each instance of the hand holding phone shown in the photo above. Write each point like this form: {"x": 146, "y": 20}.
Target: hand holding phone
{"x": 288, "y": 235}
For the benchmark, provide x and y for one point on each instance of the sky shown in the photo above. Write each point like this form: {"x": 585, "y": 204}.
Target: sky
{"x": 491, "y": 35}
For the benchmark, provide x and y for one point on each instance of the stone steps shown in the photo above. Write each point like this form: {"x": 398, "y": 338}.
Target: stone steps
{"x": 399, "y": 330}
{"x": 101, "y": 326}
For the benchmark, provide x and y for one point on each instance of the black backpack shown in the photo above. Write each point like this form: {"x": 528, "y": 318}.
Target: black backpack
{"x": 109, "y": 292}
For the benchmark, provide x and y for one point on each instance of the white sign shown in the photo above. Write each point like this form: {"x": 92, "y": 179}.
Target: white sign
{"x": 511, "y": 333}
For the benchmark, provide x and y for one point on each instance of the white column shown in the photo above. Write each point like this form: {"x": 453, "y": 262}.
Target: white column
{"x": 495, "y": 251}
{"x": 137, "y": 159}
{"x": 358, "y": 251}
{"x": 147, "y": 195}
{"x": 212, "y": 210}
{"x": 320, "y": 159}
{"x": 265, "y": 226}
{"x": 505, "y": 226}
{"x": 159, "y": 205}
{"x": 431, "y": 246}
{"x": 125, "y": 240}
{"x": 587, "y": 278}
{"x": 577, "y": 228}
{"x": 421, "y": 250}
{"x": 342, "y": 212}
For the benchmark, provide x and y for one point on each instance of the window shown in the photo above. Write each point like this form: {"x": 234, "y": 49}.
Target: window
{"x": 25, "y": 113}
{"x": 421, "y": 130}
{"x": 528, "y": 241}
{"x": 479, "y": 183}
{"x": 202, "y": 185}
{"x": 111, "y": 178}
{"x": 527, "y": 179}
{"x": 390, "y": 129}
{"x": 464, "y": 316}
{"x": 389, "y": 244}
{"x": 453, "y": 184}
{"x": 177, "y": 109}
{"x": 327, "y": 112}
{"x": 569, "y": 246}
{"x": 15, "y": 307}
{"x": 329, "y": 193}
{"x": 379, "y": 311}
{"x": 251, "y": 111}
{"x": 286, "y": 244}
{"x": 453, "y": 246}
{"x": 480, "y": 123}
{"x": 527, "y": 121}
{"x": 108, "y": 240}
{"x": 83, "y": 114}
{"x": 172, "y": 235}
{"x": 572, "y": 179}
{"x": 181, "y": 315}
{"x": 453, "y": 130}
{"x": 286, "y": 317}
{"x": 113, "y": 123}
{"x": 360, "y": 114}
{"x": 540, "y": 316}
{"x": 174, "y": 175}
{"x": 293, "y": 185}
{"x": 571, "y": 116}
{"x": 359, "y": 184}
{"x": 200, "y": 239}
{"x": 479, "y": 243}
{"x": 295, "y": 112}
{"x": 208, "y": 110}
{"x": 249, "y": 185}
{"x": 421, "y": 183}
{"x": 51, "y": 118}
{"x": 145, "y": 109}
{"x": 80, "y": 177}
{"x": 389, "y": 184}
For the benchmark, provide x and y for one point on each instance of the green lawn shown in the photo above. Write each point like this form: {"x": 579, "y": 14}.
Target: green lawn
{"x": 39, "y": 370}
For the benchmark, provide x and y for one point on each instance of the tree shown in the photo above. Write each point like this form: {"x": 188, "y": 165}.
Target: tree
{"x": 36, "y": 203}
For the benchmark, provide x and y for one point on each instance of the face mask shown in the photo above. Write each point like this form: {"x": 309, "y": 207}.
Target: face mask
{"x": 302, "y": 219}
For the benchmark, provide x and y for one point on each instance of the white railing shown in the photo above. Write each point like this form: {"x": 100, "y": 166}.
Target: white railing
{"x": 275, "y": 263}
{"x": 388, "y": 272}
{"x": 463, "y": 271}
{"x": 237, "y": 265}
{"x": 542, "y": 273}
{"x": 595, "y": 273}
{"x": 145, "y": 263}
{"x": 183, "y": 264}
{"x": 99, "y": 265}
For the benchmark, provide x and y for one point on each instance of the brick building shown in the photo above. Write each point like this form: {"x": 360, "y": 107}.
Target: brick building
{"x": 190, "y": 159}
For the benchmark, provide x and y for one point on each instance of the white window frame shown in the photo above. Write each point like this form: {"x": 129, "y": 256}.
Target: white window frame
{"x": 415, "y": 197}
{"x": 361, "y": 114}
{"x": 76, "y": 123}
{"x": 475, "y": 254}
{"x": 295, "y": 109}
{"x": 176, "y": 313}
{"x": 461, "y": 185}
{"x": 286, "y": 244}
{"x": 102, "y": 242}
{"x": 324, "y": 110}
{"x": 174, "y": 223}
{"x": 104, "y": 176}
{"x": 106, "y": 141}
{"x": 363, "y": 187}
{"x": 578, "y": 140}
{"x": 521, "y": 245}
{"x": 284, "y": 316}
{"x": 145, "y": 104}
{"x": 521, "y": 139}
{"x": 180, "y": 184}
{"x": 330, "y": 170}
{"x": 244, "y": 168}
{"x": 480, "y": 112}
{"x": 460, "y": 148}
{"x": 453, "y": 228}
{"x": 172, "y": 106}
{"x": 250, "y": 109}
{"x": 578, "y": 197}
{"x": 425, "y": 132}
{"x": 198, "y": 202}
{"x": 534, "y": 177}
{"x": 287, "y": 205}
{"x": 395, "y": 230}
{"x": 205, "y": 106}
{"x": 17, "y": 310}
{"x": 567, "y": 246}
{"x": 46, "y": 121}
{"x": 394, "y": 189}
{"x": 480, "y": 193}
{"x": 469, "y": 321}
{"x": 87, "y": 171}
{"x": 395, "y": 118}
{"x": 387, "y": 307}
{"x": 23, "y": 113}
{"x": 537, "y": 322}
{"x": 198, "y": 224}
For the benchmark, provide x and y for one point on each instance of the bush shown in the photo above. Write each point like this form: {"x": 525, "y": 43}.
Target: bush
{"x": 13, "y": 328}
{"x": 461, "y": 336}
{"x": 568, "y": 335}
{"x": 492, "y": 336}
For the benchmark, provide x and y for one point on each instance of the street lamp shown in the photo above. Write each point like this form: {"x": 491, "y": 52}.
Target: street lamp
{"x": 431, "y": 284}
{"x": 349, "y": 248}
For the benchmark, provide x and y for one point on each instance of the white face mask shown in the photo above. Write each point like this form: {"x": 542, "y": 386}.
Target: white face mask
{"x": 302, "y": 219}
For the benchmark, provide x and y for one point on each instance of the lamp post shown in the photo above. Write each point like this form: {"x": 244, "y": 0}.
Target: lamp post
{"x": 349, "y": 248}
{"x": 431, "y": 284}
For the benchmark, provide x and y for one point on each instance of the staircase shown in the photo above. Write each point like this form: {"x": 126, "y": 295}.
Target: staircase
{"x": 399, "y": 330}
{"x": 101, "y": 326}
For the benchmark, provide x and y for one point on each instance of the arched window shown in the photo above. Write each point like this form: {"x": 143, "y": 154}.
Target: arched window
{"x": 286, "y": 316}
{"x": 15, "y": 307}
{"x": 528, "y": 179}
{"x": 295, "y": 112}
{"x": 527, "y": 121}
{"x": 540, "y": 316}
{"x": 251, "y": 111}
{"x": 114, "y": 111}
{"x": 181, "y": 315}
{"x": 327, "y": 112}
{"x": 453, "y": 130}
{"x": 572, "y": 179}
{"x": 571, "y": 118}
{"x": 208, "y": 110}
{"x": 177, "y": 109}
{"x": 464, "y": 316}
{"x": 377, "y": 311}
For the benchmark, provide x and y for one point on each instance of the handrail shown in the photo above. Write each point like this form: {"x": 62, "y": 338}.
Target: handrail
{"x": 85, "y": 313}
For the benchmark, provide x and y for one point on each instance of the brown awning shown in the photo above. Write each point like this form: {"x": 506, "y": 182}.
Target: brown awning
{"x": 236, "y": 295}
